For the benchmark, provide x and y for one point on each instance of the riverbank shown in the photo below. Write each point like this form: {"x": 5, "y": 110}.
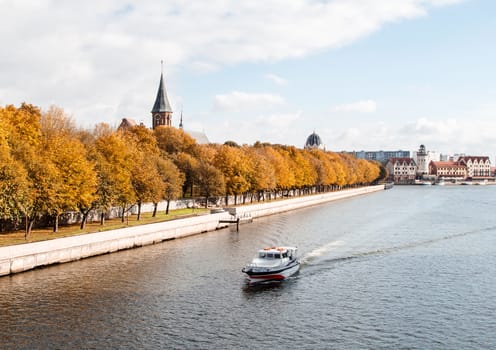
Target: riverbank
{"x": 24, "y": 257}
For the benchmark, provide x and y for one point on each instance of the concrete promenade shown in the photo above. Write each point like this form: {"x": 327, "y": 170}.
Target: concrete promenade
{"x": 23, "y": 257}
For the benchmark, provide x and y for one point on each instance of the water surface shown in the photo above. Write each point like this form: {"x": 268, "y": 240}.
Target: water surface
{"x": 409, "y": 268}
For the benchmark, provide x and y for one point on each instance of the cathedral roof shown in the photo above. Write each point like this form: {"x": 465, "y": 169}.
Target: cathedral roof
{"x": 161, "y": 102}
{"x": 313, "y": 141}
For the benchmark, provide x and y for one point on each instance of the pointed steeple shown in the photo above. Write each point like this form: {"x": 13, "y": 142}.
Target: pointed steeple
{"x": 181, "y": 120}
{"x": 161, "y": 102}
{"x": 161, "y": 111}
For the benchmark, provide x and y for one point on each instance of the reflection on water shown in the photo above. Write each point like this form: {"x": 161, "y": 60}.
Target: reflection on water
{"x": 413, "y": 267}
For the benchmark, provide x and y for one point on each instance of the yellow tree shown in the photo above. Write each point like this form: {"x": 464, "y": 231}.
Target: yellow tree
{"x": 338, "y": 169}
{"x": 25, "y": 144}
{"x": 14, "y": 185}
{"x": 210, "y": 180}
{"x": 284, "y": 178}
{"x": 305, "y": 175}
{"x": 113, "y": 162}
{"x": 186, "y": 164}
{"x": 171, "y": 140}
{"x": 172, "y": 180}
{"x": 262, "y": 177}
{"x": 235, "y": 166}
{"x": 73, "y": 180}
{"x": 145, "y": 177}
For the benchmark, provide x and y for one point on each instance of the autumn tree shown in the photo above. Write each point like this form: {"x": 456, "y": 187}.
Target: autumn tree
{"x": 145, "y": 178}
{"x": 210, "y": 180}
{"x": 235, "y": 165}
{"x": 262, "y": 177}
{"x": 187, "y": 164}
{"x": 172, "y": 140}
{"x": 72, "y": 175}
{"x": 113, "y": 162}
{"x": 173, "y": 181}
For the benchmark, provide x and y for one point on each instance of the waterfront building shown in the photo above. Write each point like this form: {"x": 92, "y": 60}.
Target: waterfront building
{"x": 478, "y": 167}
{"x": 422, "y": 158}
{"x": 448, "y": 170}
{"x": 402, "y": 170}
{"x": 465, "y": 167}
{"x": 381, "y": 156}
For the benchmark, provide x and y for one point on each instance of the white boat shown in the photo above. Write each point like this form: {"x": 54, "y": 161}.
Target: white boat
{"x": 272, "y": 264}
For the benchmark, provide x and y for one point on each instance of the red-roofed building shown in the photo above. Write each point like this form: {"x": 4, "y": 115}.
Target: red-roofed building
{"x": 477, "y": 167}
{"x": 401, "y": 170}
{"x": 448, "y": 169}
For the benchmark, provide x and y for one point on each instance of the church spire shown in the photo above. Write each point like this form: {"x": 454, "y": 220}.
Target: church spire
{"x": 181, "y": 120}
{"x": 161, "y": 111}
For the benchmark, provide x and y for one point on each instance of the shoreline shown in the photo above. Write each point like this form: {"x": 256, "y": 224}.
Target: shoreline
{"x": 28, "y": 256}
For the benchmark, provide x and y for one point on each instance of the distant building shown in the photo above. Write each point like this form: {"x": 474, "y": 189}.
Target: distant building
{"x": 162, "y": 114}
{"x": 381, "y": 156}
{"x": 448, "y": 170}
{"x": 161, "y": 111}
{"x": 422, "y": 158}
{"x": 402, "y": 170}
{"x": 465, "y": 167}
{"x": 477, "y": 167}
{"x": 127, "y": 123}
{"x": 314, "y": 141}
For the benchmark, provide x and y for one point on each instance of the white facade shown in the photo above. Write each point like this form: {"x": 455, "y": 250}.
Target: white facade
{"x": 401, "y": 170}
{"x": 476, "y": 166}
{"x": 423, "y": 158}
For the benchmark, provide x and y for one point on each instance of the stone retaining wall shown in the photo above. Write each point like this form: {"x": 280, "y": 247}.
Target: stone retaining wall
{"x": 23, "y": 257}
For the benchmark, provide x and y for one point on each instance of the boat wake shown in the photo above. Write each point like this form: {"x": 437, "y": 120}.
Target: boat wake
{"x": 319, "y": 252}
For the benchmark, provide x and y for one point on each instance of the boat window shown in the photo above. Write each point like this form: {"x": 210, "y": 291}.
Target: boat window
{"x": 277, "y": 256}
{"x": 285, "y": 255}
{"x": 270, "y": 255}
{"x": 261, "y": 255}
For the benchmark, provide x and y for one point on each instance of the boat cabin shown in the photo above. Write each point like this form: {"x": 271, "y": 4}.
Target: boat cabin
{"x": 277, "y": 253}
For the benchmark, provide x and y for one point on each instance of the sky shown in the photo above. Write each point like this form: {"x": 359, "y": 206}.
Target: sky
{"x": 363, "y": 74}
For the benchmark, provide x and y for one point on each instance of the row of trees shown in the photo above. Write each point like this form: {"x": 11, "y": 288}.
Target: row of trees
{"x": 49, "y": 166}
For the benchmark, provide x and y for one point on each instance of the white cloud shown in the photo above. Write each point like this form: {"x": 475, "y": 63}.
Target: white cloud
{"x": 276, "y": 79}
{"x": 367, "y": 106}
{"x": 237, "y": 101}
{"x": 94, "y": 53}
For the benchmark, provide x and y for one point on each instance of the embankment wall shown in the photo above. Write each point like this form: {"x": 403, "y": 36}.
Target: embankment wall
{"x": 23, "y": 257}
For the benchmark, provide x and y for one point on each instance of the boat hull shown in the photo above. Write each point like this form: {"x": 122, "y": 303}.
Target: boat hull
{"x": 276, "y": 275}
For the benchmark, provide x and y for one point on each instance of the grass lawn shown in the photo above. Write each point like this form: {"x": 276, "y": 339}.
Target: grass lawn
{"x": 17, "y": 237}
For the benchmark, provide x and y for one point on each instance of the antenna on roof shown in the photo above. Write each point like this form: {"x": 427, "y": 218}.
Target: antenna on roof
{"x": 162, "y": 66}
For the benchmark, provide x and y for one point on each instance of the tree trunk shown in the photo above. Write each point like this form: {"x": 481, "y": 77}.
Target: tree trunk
{"x": 123, "y": 213}
{"x": 102, "y": 219}
{"x": 56, "y": 224}
{"x": 155, "y": 205}
{"x": 139, "y": 210}
{"x": 206, "y": 202}
{"x": 167, "y": 207}
{"x": 29, "y": 227}
{"x": 83, "y": 221}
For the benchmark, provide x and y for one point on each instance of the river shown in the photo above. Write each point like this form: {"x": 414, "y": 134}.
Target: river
{"x": 409, "y": 268}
